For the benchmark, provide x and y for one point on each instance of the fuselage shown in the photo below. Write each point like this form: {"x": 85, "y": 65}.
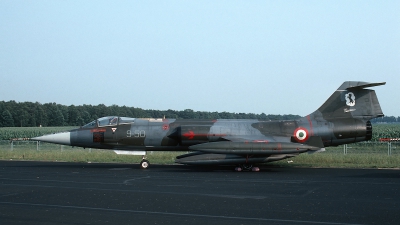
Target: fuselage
{"x": 114, "y": 132}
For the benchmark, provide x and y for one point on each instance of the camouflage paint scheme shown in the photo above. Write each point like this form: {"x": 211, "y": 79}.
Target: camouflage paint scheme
{"x": 343, "y": 118}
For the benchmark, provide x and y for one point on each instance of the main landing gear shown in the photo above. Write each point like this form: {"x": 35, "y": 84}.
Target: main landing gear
{"x": 144, "y": 164}
{"x": 247, "y": 167}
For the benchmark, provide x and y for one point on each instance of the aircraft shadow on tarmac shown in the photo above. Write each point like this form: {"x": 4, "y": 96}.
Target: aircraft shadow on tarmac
{"x": 170, "y": 168}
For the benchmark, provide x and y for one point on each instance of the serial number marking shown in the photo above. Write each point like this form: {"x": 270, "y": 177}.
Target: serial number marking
{"x": 136, "y": 133}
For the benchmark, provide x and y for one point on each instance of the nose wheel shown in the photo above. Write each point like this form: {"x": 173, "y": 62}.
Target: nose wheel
{"x": 144, "y": 164}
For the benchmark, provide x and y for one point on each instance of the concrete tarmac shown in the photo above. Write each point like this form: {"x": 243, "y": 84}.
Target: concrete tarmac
{"x": 82, "y": 193}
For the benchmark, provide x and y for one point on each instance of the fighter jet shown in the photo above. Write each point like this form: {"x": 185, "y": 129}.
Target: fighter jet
{"x": 344, "y": 118}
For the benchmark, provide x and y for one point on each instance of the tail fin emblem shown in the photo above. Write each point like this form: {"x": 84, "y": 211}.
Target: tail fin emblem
{"x": 350, "y": 99}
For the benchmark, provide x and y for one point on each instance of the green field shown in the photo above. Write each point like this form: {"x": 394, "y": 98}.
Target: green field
{"x": 358, "y": 156}
{"x": 332, "y": 160}
{"x": 52, "y": 152}
{"x": 385, "y": 131}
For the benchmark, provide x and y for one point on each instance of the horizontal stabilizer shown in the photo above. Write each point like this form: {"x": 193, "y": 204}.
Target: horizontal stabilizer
{"x": 358, "y": 84}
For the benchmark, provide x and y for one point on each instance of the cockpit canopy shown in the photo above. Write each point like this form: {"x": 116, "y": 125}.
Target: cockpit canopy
{"x": 109, "y": 121}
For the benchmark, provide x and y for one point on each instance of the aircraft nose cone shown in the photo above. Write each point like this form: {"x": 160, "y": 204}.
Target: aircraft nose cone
{"x": 63, "y": 138}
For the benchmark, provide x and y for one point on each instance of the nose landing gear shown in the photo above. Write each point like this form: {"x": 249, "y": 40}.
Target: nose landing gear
{"x": 144, "y": 164}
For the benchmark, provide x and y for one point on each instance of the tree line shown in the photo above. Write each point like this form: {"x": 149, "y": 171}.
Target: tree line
{"x": 34, "y": 114}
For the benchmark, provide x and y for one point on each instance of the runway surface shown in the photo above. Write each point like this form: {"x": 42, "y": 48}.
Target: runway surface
{"x": 81, "y": 193}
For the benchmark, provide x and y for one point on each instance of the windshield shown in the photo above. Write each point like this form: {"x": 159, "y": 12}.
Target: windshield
{"x": 108, "y": 121}
{"x": 90, "y": 125}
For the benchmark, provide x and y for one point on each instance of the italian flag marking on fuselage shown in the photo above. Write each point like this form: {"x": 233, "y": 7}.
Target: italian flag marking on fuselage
{"x": 301, "y": 134}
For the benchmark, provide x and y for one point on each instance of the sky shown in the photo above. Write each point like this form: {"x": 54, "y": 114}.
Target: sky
{"x": 272, "y": 57}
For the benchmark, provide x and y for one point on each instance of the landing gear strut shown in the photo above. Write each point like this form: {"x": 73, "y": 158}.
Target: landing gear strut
{"x": 144, "y": 164}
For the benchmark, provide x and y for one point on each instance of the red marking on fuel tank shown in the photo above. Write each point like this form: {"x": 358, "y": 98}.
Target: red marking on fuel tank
{"x": 189, "y": 135}
{"x": 165, "y": 127}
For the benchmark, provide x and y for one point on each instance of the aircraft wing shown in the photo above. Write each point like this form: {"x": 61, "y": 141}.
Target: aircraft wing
{"x": 258, "y": 147}
{"x": 244, "y": 151}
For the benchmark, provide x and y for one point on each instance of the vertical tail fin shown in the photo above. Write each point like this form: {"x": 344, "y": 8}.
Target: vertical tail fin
{"x": 351, "y": 100}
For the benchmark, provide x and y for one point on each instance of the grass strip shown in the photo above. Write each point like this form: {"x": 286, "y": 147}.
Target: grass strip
{"x": 328, "y": 159}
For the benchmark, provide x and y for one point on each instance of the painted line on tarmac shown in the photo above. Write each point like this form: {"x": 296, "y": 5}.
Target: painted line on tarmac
{"x": 175, "y": 214}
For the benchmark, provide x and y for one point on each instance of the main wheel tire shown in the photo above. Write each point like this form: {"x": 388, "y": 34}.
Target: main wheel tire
{"x": 144, "y": 164}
